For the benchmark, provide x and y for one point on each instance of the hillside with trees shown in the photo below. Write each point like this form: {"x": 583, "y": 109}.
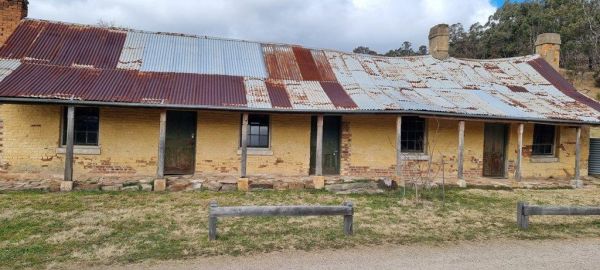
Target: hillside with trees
{"x": 513, "y": 28}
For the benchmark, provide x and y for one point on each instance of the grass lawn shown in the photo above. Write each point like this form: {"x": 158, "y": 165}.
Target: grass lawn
{"x": 89, "y": 228}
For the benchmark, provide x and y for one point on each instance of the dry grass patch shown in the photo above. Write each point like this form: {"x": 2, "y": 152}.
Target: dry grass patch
{"x": 53, "y": 229}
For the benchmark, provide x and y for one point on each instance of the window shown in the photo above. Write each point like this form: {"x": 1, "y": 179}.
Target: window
{"x": 413, "y": 134}
{"x": 258, "y": 131}
{"x": 86, "y": 126}
{"x": 543, "y": 140}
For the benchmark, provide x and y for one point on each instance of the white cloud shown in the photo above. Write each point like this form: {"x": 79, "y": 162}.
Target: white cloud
{"x": 337, "y": 24}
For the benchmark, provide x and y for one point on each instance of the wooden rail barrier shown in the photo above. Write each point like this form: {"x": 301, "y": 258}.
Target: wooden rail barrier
{"x": 346, "y": 210}
{"x": 524, "y": 210}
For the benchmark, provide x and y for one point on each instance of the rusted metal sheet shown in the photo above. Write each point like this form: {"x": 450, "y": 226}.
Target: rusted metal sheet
{"x": 337, "y": 95}
{"x": 323, "y": 65}
{"x": 306, "y": 63}
{"x": 308, "y": 95}
{"x": 65, "y": 44}
{"x": 281, "y": 62}
{"x": 257, "y": 94}
{"x": 277, "y": 94}
{"x": 550, "y": 74}
{"x": 45, "y": 81}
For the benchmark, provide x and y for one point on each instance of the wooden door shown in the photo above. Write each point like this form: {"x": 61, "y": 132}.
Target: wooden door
{"x": 180, "y": 142}
{"x": 494, "y": 150}
{"x": 331, "y": 144}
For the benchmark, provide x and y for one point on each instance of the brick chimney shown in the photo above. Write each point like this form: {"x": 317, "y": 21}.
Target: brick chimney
{"x": 439, "y": 38}
{"x": 547, "y": 45}
{"x": 11, "y": 13}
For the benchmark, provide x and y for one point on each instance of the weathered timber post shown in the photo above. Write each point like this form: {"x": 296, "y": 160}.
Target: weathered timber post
{"x": 348, "y": 220}
{"x": 212, "y": 221}
{"x": 243, "y": 183}
{"x": 461, "y": 154}
{"x": 518, "y": 172}
{"x": 160, "y": 184}
{"x": 577, "y": 183}
{"x": 162, "y": 134}
{"x": 399, "y": 165}
{"x": 522, "y": 217}
{"x": 67, "y": 184}
{"x": 319, "y": 150}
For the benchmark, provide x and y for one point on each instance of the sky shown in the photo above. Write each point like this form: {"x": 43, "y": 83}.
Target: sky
{"x": 335, "y": 24}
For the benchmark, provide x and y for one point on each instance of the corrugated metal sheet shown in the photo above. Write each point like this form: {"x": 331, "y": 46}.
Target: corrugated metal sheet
{"x": 257, "y": 93}
{"x": 65, "y": 44}
{"x": 186, "y": 54}
{"x": 46, "y": 81}
{"x": 277, "y": 94}
{"x": 594, "y": 157}
{"x": 7, "y": 66}
{"x": 90, "y": 63}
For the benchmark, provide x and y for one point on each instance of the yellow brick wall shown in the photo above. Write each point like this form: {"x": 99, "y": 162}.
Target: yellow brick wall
{"x": 128, "y": 141}
{"x": 218, "y": 143}
{"x": 129, "y": 145}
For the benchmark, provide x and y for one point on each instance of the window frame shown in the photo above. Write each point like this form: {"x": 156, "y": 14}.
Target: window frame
{"x": 63, "y": 127}
{"x": 269, "y": 132}
{"x": 424, "y": 143}
{"x": 554, "y": 142}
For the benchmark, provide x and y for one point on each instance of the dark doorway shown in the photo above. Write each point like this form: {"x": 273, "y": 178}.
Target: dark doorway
{"x": 180, "y": 142}
{"x": 331, "y": 144}
{"x": 494, "y": 150}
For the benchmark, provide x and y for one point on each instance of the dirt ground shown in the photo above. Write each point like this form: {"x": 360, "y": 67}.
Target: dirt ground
{"x": 515, "y": 254}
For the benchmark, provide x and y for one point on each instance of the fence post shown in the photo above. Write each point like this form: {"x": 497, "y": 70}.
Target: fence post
{"x": 522, "y": 218}
{"x": 212, "y": 222}
{"x": 348, "y": 230}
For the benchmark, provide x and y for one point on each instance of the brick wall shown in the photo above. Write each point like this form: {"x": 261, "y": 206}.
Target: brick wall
{"x": 29, "y": 138}
{"x": 11, "y": 13}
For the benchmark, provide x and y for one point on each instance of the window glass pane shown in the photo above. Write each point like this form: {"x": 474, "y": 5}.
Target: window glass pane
{"x": 412, "y": 135}
{"x": 86, "y": 125}
{"x": 543, "y": 139}
{"x": 258, "y": 131}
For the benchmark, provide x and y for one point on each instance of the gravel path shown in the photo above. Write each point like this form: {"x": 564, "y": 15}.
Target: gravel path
{"x": 550, "y": 254}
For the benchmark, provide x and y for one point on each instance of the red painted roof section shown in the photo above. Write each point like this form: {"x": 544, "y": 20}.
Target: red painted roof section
{"x": 277, "y": 94}
{"x": 46, "y": 81}
{"x": 65, "y": 45}
{"x": 308, "y": 67}
{"x": 548, "y": 72}
{"x": 337, "y": 95}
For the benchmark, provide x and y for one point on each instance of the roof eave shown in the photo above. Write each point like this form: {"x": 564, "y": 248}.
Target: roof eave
{"x": 25, "y": 100}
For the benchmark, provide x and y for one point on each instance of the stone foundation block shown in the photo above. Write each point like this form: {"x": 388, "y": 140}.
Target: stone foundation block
{"x": 461, "y": 183}
{"x": 66, "y": 185}
{"x": 295, "y": 185}
{"x": 146, "y": 187}
{"x": 280, "y": 186}
{"x": 160, "y": 185}
{"x": 112, "y": 187}
{"x": 319, "y": 182}
{"x": 243, "y": 184}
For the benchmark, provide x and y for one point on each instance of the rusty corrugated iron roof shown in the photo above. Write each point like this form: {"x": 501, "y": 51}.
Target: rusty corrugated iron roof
{"x": 45, "y": 61}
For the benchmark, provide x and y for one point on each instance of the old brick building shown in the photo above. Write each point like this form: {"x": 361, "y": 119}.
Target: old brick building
{"x": 100, "y": 106}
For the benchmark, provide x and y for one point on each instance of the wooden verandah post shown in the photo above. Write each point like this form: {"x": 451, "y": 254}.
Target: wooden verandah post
{"x": 67, "y": 184}
{"x": 160, "y": 184}
{"x": 518, "y": 170}
{"x": 577, "y": 183}
{"x": 461, "y": 153}
{"x": 319, "y": 180}
{"x": 243, "y": 183}
{"x": 399, "y": 165}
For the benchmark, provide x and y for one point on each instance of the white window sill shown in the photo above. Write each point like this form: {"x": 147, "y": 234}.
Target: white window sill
{"x": 543, "y": 159}
{"x": 257, "y": 152}
{"x": 80, "y": 150}
{"x": 415, "y": 156}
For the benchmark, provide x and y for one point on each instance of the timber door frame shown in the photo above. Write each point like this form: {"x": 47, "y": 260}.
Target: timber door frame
{"x": 311, "y": 166}
{"x": 193, "y": 162}
{"x": 506, "y": 135}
